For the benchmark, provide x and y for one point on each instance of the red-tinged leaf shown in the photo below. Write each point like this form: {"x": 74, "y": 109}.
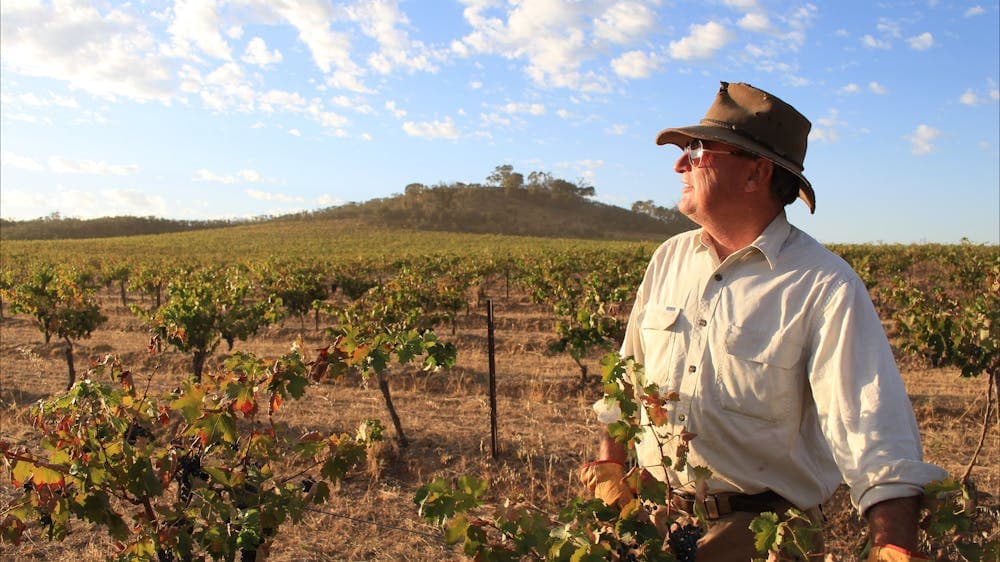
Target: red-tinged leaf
{"x": 245, "y": 402}
{"x": 672, "y": 396}
{"x": 359, "y": 354}
{"x": 311, "y": 436}
{"x": 276, "y": 401}
{"x": 42, "y": 476}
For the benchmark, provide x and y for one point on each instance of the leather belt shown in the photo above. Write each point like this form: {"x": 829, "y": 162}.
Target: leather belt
{"x": 719, "y": 505}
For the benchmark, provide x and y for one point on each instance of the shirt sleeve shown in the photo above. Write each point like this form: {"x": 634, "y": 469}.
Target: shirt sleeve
{"x": 864, "y": 411}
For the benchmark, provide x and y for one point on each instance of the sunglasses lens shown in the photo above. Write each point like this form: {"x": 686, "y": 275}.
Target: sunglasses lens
{"x": 694, "y": 152}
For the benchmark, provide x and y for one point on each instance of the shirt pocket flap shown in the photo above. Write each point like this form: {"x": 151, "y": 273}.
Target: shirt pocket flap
{"x": 776, "y": 349}
{"x": 660, "y": 318}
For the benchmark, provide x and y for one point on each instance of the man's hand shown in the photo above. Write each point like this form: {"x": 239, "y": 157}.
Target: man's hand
{"x": 607, "y": 480}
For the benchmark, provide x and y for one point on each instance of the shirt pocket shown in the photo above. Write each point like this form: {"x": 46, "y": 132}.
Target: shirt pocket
{"x": 760, "y": 375}
{"x": 661, "y": 334}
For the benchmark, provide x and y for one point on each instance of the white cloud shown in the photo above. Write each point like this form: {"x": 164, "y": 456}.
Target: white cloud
{"x": 757, "y": 22}
{"x": 327, "y": 200}
{"x": 921, "y": 140}
{"x": 530, "y": 108}
{"x": 9, "y": 159}
{"x": 252, "y": 176}
{"x": 617, "y": 129}
{"x": 396, "y": 112}
{"x": 702, "y": 43}
{"x": 873, "y": 43}
{"x": 295, "y": 132}
{"x": 635, "y": 64}
{"x": 109, "y": 54}
{"x": 267, "y": 196}
{"x": 851, "y": 88}
{"x": 62, "y": 165}
{"x": 382, "y": 21}
{"x": 877, "y": 88}
{"x": 247, "y": 176}
{"x": 257, "y": 54}
{"x": 921, "y": 42}
{"x": 131, "y": 202}
{"x": 969, "y": 98}
{"x": 209, "y": 176}
{"x": 975, "y": 11}
{"x": 745, "y": 5}
{"x": 196, "y": 26}
{"x": 550, "y": 35}
{"x": 432, "y": 129}
{"x": 624, "y": 22}
{"x": 827, "y": 128}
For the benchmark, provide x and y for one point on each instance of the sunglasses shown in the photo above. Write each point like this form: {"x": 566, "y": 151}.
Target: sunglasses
{"x": 694, "y": 150}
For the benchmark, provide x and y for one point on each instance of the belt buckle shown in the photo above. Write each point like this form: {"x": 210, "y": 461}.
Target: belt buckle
{"x": 711, "y": 505}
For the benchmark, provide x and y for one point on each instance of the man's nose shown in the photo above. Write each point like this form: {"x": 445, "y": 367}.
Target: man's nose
{"x": 683, "y": 163}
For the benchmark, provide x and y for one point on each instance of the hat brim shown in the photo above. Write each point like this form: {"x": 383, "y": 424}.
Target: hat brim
{"x": 681, "y": 135}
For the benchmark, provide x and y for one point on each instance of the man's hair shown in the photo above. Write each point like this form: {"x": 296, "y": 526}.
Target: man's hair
{"x": 784, "y": 185}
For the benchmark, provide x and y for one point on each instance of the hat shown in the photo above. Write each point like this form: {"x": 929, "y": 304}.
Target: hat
{"x": 757, "y": 122}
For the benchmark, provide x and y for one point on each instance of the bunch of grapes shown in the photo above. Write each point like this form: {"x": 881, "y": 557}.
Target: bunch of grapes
{"x": 683, "y": 541}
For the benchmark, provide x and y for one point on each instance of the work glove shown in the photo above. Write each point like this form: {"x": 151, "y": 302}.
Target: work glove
{"x": 606, "y": 479}
{"x": 893, "y": 553}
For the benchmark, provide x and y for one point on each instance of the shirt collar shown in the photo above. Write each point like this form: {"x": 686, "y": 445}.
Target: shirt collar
{"x": 769, "y": 243}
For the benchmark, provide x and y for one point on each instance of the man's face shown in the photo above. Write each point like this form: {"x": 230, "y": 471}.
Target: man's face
{"x": 714, "y": 191}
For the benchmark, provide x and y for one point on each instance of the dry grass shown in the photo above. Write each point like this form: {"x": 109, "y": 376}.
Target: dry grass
{"x": 545, "y": 424}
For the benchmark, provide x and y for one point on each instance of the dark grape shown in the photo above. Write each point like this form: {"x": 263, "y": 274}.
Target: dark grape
{"x": 683, "y": 542}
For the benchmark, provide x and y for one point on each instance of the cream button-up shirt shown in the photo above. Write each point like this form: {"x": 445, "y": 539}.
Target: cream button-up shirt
{"x": 782, "y": 368}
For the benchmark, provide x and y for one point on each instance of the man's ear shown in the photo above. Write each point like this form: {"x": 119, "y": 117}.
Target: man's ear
{"x": 760, "y": 175}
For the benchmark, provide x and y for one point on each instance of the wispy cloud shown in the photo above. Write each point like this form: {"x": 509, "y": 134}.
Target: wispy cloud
{"x": 921, "y": 42}
{"x": 432, "y": 129}
{"x": 702, "y": 42}
{"x": 62, "y": 165}
{"x": 258, "y": 55}
{"x": 877, "y": 88}
{"x": 873, "y": 43}
{"x": 243, "y": 176}
{"x": 9, "y": 159}
{"x": 975, "y": 11}
{"x": 921, "y": 140}
{"x": 636, "y": 64}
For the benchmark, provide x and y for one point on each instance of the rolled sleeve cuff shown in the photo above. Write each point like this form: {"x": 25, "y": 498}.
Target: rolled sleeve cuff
{"x": 905, "y": 479}
{"x": 883, "y": 492}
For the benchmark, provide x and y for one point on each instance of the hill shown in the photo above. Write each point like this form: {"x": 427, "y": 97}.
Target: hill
{"x": 549, "y": 208}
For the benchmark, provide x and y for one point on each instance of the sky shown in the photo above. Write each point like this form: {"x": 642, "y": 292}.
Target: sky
{"x": 202, "y": 109}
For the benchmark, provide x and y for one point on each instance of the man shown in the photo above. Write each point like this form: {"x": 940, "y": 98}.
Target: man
{"x": 772, "y": 346}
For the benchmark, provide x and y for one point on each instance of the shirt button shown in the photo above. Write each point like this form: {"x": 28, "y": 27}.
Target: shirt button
{"x": 692, "y": 369}
{"x": 702, "y": 322}
{"x": 718, "y": 277}
{"x": 681, "y": 417}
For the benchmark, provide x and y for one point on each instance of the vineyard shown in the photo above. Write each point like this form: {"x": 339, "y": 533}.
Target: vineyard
{"x": 247, "y": 392}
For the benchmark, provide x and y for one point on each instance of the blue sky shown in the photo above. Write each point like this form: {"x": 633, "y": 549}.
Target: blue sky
{"x": 202, "y": 109}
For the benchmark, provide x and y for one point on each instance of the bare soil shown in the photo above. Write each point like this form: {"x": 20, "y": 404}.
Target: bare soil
{"x": 546, "y": 430}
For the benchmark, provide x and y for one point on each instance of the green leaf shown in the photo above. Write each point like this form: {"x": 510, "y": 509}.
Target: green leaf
{"x": 190, "y": 403}
{"x": 456, "y": 529}
{"x": 765, "y": 529}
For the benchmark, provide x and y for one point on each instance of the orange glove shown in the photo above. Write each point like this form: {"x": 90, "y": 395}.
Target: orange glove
{"x": 606, "y": 480}
{"x": 893, "y": 553}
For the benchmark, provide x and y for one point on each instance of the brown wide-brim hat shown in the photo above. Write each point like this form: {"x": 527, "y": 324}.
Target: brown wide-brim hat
{"x": 757, "y": 122}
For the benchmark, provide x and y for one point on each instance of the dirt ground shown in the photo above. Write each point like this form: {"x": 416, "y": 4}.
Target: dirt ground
{"x": 546, "y": 430}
